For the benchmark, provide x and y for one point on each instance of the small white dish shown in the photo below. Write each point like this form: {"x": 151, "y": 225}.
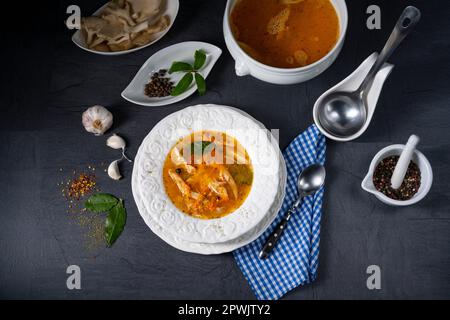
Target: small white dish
{"x": 163, "y": 59}
{"x": 171, "y": 9}
{"x": 418, "y": 158}
{"x": 246, "y": 65}
{"x": 213, "y": 248}
{"x": 351, "y": 83}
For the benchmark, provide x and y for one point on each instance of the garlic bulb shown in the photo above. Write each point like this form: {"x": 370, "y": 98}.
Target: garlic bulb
{"x": 97, "y": 120}
{"x": 117, "y": 142}
{"x": 113, "y": 170}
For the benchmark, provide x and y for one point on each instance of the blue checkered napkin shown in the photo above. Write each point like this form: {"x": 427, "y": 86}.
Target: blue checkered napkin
{"x": 294, "y": 260}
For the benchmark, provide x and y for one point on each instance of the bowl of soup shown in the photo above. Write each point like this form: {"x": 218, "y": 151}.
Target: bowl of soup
{"x": 208, "y": 174}
{"x": 284, "y": 41}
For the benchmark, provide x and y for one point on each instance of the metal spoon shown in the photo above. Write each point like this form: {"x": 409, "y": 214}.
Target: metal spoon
{"x": 342, "y": 113}
{"x": 309, "y": 181}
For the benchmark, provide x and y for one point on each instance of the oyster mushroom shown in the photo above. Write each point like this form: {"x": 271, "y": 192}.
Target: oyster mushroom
{"x": 91, "y": 26}
{"x": 124, "y": 24}
{"x": 145, "y": 9}
{"x": 113, "y": 33}
{"x": 147, "y": 34}
{"x": 121, "y": 13}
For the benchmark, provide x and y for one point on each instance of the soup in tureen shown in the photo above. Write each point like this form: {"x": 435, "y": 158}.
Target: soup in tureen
{"x": 285, "y": 33}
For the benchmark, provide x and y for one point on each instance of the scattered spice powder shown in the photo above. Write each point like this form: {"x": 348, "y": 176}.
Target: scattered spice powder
{"x": 93, "y": 226}
{"x": 159, "y": 86}
{"x": 383, "y": 174}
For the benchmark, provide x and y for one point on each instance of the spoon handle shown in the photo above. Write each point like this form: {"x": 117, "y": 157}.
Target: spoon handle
{"x": 276, "y": 235}
{"x": 409, "y": 18}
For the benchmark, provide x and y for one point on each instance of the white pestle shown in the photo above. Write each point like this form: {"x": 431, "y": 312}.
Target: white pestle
{"x": 403, "y": 162}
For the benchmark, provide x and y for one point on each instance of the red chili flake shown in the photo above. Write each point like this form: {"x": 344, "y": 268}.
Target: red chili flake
{"x": 81, "y": 185}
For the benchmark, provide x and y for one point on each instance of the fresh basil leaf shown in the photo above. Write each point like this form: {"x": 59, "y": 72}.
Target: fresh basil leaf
{"x": 200, "y": 58}
{"x": 115, "y": 223}
{"x": 101, "y": 202}
{"x": 180, "y": 66}
{"x": 198, "y": 147}
{"x": 201, "y": 83}
{"x": 182, "y": 85}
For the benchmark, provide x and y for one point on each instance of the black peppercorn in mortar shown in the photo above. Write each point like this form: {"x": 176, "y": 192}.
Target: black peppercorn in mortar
{"x": 383, "y": 174}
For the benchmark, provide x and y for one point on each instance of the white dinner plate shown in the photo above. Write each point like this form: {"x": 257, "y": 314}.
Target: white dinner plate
{"x": 215, "y": 248}
{"x": 158, "y": 143}
{"x": 163, "y": 59}
{"x": 171, "y": 10}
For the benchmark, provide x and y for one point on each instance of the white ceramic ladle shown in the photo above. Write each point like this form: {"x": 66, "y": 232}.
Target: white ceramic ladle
{"x": 351, "y": 83}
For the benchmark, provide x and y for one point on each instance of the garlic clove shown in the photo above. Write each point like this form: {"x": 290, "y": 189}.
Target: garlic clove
{"x": 116, "y": 142}
{"x": 97, "y": 120}
{"x": 113, "y": 170}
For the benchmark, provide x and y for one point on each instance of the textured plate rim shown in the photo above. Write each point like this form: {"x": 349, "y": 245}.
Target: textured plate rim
{"x": 217, "y": 248}
{"x": 157, "y": 203}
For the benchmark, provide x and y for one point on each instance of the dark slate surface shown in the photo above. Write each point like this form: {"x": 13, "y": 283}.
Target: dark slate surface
{"x": 46, "y": 82}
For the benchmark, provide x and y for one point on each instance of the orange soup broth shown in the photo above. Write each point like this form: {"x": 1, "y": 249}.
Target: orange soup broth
{"x": 211, "y": 206}
{"x": 312, "y": 26}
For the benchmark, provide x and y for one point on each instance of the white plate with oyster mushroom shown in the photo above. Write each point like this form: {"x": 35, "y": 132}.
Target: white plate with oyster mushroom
{"x": 125, "y": 26}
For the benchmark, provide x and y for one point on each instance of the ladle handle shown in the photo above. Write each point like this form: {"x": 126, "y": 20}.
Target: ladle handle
{"x": 409, "y": 18}
{"x": 276, "y": 234}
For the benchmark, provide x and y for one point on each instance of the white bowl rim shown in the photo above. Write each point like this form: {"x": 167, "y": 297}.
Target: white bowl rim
{"x": 343, "y": 18}
{"x": 419, "y": 195}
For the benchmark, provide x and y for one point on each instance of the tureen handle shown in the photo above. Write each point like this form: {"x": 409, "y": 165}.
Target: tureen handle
{"x": 241, "y": 68}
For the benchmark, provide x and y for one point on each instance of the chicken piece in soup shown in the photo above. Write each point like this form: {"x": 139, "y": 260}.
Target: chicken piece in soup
{"x": 208, "y": 175}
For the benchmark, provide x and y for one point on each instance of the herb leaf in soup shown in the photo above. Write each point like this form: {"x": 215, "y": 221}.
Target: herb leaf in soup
{"x": 180, "y": 66}
{"x": 201, "y": 83}
{"x": 198, "y": 147}
{"x": 182, "y": 86}
{"x": 241, "y": 173}
{"x": 200, "y": 59}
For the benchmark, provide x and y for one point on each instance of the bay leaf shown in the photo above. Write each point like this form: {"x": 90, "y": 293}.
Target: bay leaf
{"x": 115, "y": 223}
{"x": 101, "y": 202}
